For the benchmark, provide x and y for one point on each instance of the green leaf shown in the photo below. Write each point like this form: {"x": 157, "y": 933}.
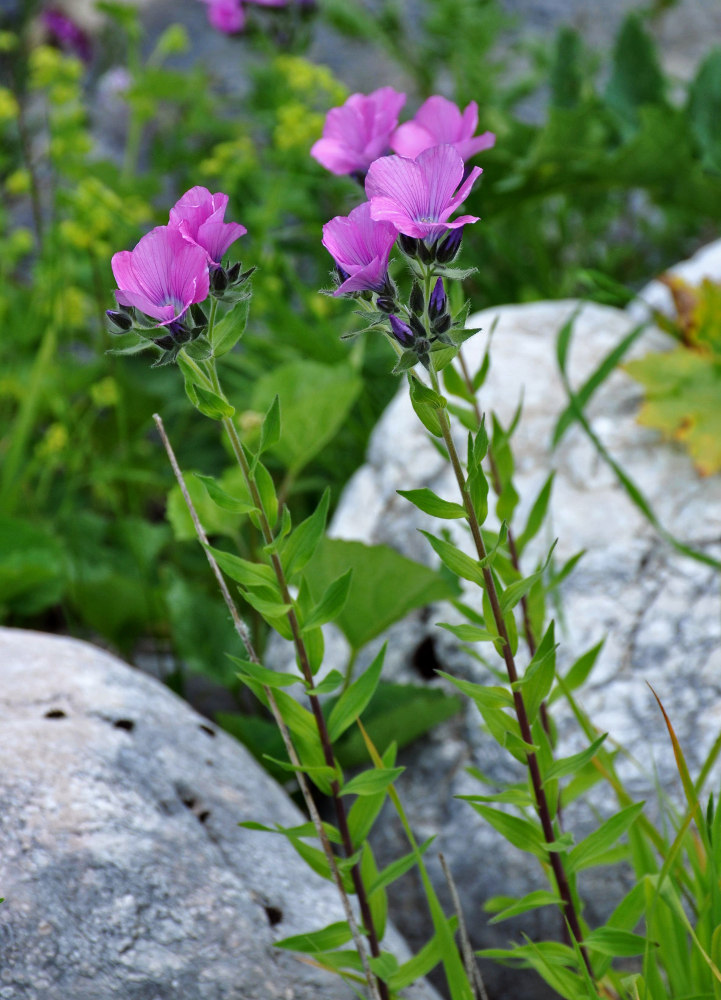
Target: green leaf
{"x": 509, "y": 907}
{"x": 522, "y": 833}
{"x": 330, "y": 683}
{"x": 353, "y": 701}
{"x": 427, "y": 501}
{"x": 249, "y": 574}
{"x": 513, "y": 593}
{"x": 211, "y": 404}
{"x": 426, "y": 404}
{"x": 539, "y": 675}
{"x": 302, "y": 543}
{"x": 614, "y": 942}
{"x": 397, "y": 868}
{"x": 364, "y": 811}
{"x": 456, "y": 561}
{"x": 536, "y": 515}
{"x": 33, "y": 567}
{"x": 270, "y": 430}
{"x": 467, "y": 633}
{"x": 332, "y": 936}
{"x": 566, "y": 75}
{"x": 384, "y": 588}
{"x": 570, "y": 765}
{"x": 593, "y": 847}
{"x": 272, "y": 678}
{"x": 682, "y": 401}
{"x": 636, "y": 77}
{"x": 214, "y": 519}
{"x": 704, "y": 109}
{"x": 484, "y": 695}
{"x": 222, "y": 499}
{"x": 579, "y": 672}
{"x": 384, "y": 966}
{"x": 268, "y": 497}
{"x": 423, "y": 962}
{"x": 331, "y": 603}
{"x": 372, "y": 782}
{"x": 316, "y": 399}
{"x": 227, "y": 331}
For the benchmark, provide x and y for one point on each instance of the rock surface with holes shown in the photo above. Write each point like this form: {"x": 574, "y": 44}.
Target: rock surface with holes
{"x": 124, "y": 871}
{"x": 658, "y": 610}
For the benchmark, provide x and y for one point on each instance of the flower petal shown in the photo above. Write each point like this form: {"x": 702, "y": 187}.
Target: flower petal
{"x": 442, "y": 170}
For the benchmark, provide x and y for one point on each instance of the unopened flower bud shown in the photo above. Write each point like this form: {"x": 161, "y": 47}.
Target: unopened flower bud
{"x": 233, "y": 272}
{"x": 437, "y": 303}
{"x": 408, "y": 244}
{"x": 418, "y": 329}
{"x": 448, "y": 249}
{"x": 401, "y": 331}
{"x": 218, "y": 280}
{"x": 197, "y": 317}
{"x": 442, "y": 324}
{"x": 385, "y": 304}
{"x": 167, "y": 342}
{"x": 118, "y": 322}
{"x": 426, "y": 254}
{"x": 416, "y": 300}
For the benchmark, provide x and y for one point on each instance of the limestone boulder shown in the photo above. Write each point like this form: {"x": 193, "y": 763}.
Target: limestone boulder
{"x": 124, "y": 871}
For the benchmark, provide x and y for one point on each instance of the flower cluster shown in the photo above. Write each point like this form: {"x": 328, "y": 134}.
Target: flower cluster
{"x": 174, "y": 268}
{"x": 415, "y": 179}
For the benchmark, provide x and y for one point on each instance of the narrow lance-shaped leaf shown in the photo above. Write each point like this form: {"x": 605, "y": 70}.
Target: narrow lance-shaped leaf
{"x": 429, "y": 503}
{"x": 585, "y": 854}
{"x": 331, "y": 603}
{"x": 456, "y": 561}
{"x": 222, "y": 499}
{"x": 353, "y": 701}
{"x": 373, "y": 781}
{"x": 270, "y": 430}
{"x": 302, "y": 543}
{"x": 330, "y": 937}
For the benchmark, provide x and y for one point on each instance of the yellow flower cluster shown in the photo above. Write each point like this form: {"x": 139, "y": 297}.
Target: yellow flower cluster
{"x": 232, "y": 161}
{"x": 98, "y": 214}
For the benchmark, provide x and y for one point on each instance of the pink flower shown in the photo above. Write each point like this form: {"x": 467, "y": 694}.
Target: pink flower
{"x": 198, "y": 216}
{"x": 361, "y": 248}
{"x": 417, "y": 196}
{"x": 162, "y": 276}
{"x": 439, "y": 121}
{"x": 359, "y": 131}
{"x": 226, "y": 15}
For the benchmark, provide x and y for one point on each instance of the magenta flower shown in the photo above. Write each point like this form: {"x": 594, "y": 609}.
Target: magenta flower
{"x": 439, "y": 121}
{"x": 226, "y": 15}
{"x": 361, "y": 249}
{"x": 359, "y": 131}
{"x": 417, "y": 196}
{"x": 198, "y": 216}
{"x": 162, "y": 276}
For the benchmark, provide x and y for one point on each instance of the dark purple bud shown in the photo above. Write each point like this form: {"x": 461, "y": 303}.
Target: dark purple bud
{"x": 343, "y": 275}
{"x": 416, "y": 300}
{"x": 66, "y": 34}
{"x": 385, "y": 304}
{"x": 426, "y": 254}
{"x": 118, "y": 322}
{"x": 442, "y": 324}
{"x": 408, "y": 244}
{"x": 218, "y": 280}
{"x": 437, "y": 303}
{"x": 359, "y": 176}
{"x": 418, "y": 329}
{"x": 401, "y": 331}
{"x": 234, "y": 272}
{"x": 166, "y": 343}
{"x": 448, "y": 250}
{"x": 197, "y": 316}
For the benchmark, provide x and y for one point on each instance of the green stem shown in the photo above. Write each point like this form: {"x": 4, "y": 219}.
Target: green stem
{"x": 542, "y": 808}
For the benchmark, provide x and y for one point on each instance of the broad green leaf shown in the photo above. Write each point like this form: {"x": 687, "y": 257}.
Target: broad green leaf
{"x": 429, "y": 503}
{"x": 588, "y": 851}
{"x": 426, "y": 404}
{"x": 372, "y": 782}
{"x": 385, "y": 585}
{"x": 682, "y": 400}
{"x": 222, "y": 499}
{"x": 315, "y": 398}
{"x": 704, "y": 108}
{"x": 331, "y": 603}
{"x": 227, "y": 331}
{"x": 332, "y": 936}
{"x": 506, "y": 907}
{"x": 33, "y": 567}
{"x": 456, "y": 561}
{"x": 303, "y": 541}
{"x": 354, "y": 700}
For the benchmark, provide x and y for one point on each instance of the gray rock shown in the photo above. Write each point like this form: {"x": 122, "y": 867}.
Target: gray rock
{"x": 123, "y": 868}
{"x": 657, "y": 609}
